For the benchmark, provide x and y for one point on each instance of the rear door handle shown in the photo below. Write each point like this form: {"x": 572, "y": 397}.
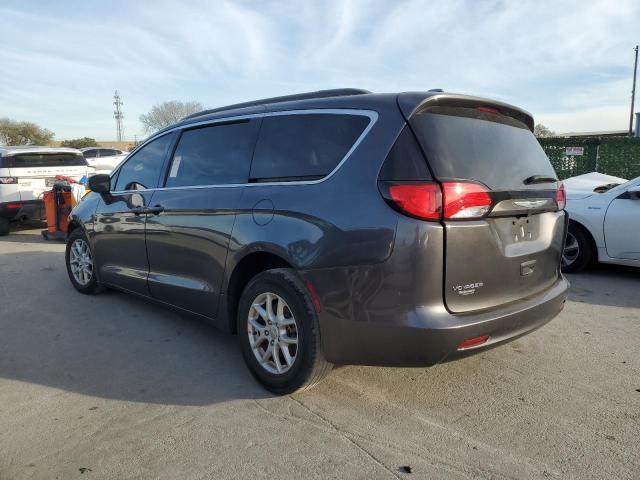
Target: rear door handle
{"x": 138, "y": 210}
{"x": 155, "y": 210}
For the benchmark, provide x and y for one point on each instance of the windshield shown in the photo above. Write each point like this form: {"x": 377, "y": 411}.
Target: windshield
{"x": 473, "y": 144}
{"x": 623, "y": 186}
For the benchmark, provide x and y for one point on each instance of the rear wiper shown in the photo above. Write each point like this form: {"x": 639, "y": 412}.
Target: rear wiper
{"x": 538, "y": 179}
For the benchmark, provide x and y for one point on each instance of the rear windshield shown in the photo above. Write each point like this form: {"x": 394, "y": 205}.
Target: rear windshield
{"x": 494, "y": 149}
{"x": 25, "y": 160}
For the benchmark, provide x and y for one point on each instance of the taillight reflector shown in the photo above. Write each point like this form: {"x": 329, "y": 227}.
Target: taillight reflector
{"x": 473, "y": 342}
{"x": 561, "y": 197}
{"x": 315, "y": 299}
{"x": 465, "y": 200}
{"x": 14, "y": 206}
{"x": 422, "y": 200}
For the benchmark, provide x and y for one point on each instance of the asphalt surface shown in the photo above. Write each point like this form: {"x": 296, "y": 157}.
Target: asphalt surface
{"x": 112, "y": 387}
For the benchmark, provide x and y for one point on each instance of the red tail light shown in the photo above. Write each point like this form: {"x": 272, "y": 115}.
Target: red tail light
{"x": 465, "y": 200}
{"x": 14, "y": 206}
{"x": 561, "y": 197}
{"x": 422, "y": 200}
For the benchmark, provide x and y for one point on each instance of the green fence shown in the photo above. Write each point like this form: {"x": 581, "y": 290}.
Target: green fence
{"x": 618, "y": 156}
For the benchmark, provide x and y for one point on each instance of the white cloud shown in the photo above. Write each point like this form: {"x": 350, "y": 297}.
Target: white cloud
{"x": 587, "y": 120}
{"x": 562, "y": 60}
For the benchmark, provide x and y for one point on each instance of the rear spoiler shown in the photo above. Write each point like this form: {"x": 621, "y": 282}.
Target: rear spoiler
{"x": 415, "y": 103}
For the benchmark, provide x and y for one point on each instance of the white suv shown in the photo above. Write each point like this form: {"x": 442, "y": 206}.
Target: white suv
{"x": 27, "y": 172}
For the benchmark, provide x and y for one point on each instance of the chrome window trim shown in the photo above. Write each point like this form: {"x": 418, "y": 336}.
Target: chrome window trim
{"x": 373, "y": 118}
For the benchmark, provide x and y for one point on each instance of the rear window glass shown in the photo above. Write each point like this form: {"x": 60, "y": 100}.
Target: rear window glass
{"x": 25, "y": 160}
{"x": 306, "y": 146}
{"x": 405, "y": 161}
{"x": 494, "y": 149}
{"x": 216, "y": 155}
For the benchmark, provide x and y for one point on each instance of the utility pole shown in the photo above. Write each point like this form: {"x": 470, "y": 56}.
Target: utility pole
{"x": 118, "y": 115}
{"x": 633, "y": 93}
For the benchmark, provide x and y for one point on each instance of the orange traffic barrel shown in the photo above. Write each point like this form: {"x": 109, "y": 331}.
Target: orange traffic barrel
{"x": 58, "y": 206}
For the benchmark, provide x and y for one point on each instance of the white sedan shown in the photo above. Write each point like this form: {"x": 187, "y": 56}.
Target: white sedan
{"x": 104, "y": 160}
{"x": 604, "y": 221}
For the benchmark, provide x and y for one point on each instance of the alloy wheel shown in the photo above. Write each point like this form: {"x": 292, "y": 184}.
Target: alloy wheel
{"x": 273, "y": 333}
{"x": 571, "y": 250}
{"x": 81, "y": 261}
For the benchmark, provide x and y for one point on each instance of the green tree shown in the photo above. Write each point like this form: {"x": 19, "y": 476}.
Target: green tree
{"x": 542, "y": 132}
{"x": 79, "y": 143}
{"x": 13, "y": 132}
{"x": 164, "y": 114}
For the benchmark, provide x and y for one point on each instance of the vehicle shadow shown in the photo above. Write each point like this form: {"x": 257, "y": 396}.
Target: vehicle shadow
{"x": 603, "y": 284}
{"x": 110, "y": 345}
{"x": 26, "y": 232}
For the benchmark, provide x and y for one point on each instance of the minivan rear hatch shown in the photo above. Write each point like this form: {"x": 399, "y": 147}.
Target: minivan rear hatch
{"x": 509, "y": 249}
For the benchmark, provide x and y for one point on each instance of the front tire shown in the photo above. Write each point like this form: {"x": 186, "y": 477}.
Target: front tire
{"x": 279, "y": 333}
{"x": 578, "y": 252}
{"x": 80, "y": 263}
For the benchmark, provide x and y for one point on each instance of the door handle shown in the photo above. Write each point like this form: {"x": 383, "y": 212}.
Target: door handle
{"x": 155, "y": 210}
{"x": 138, "y": 210}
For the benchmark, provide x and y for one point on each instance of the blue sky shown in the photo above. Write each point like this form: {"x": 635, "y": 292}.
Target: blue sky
{"x": 567, "y": 62}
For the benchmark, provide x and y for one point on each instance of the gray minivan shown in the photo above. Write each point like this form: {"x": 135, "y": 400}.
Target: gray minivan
{"x": 336, "y": 227}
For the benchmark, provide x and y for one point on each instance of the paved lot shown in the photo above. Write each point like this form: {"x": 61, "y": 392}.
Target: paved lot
{"x": 112, "y": 387}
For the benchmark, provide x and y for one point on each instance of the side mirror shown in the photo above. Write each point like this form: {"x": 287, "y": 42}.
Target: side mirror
{"x": 100, "y": 183}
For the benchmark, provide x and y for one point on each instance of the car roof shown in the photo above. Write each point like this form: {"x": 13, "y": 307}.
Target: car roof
{"x": 9, "y": 150}
{"x": 86, "y": 149}
{"x": 344, "y": 98}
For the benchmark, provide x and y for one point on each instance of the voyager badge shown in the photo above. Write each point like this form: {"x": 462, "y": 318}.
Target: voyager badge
{"x": 468, "y": 289}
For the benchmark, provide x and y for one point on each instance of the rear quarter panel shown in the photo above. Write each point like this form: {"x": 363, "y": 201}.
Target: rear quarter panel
{"x": 340, "y": 221}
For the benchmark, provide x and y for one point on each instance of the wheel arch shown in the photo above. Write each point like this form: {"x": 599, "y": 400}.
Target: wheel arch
{"x": 247, "y": 267}
{"x": 589, "y": 234}
{"x": 73, "y": 224}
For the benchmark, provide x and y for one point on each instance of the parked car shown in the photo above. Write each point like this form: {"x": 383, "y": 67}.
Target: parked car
{"x": 314, "y": 227}
{"x": 27, "y": 172}
{"x": 104, "y": 160}
{"x": 604, "y": 221}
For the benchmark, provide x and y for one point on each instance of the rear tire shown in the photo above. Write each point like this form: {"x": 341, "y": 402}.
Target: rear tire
{"x": 81, "y": 264}
{"x": 279, "y": 333}
{"x": 578, "y": 250}
{"x": 4, "y": 227}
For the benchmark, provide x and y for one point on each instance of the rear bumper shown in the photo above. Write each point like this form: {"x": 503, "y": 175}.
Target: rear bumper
{"x": 27, "y": 210}
{"x": 430, "y": 335}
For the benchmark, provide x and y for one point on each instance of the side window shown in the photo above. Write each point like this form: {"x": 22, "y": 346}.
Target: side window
{"x": 106, "y": 152}
{"x": 214, "y": 155}
{"x": 143, "y": 169}
{"x": 306, "y": 146}
{"x": 90, "y": 153}
{"x": 405, "y": 160}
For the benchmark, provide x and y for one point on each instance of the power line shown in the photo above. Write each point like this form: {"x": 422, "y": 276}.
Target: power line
{"x": 118, "y": 115}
